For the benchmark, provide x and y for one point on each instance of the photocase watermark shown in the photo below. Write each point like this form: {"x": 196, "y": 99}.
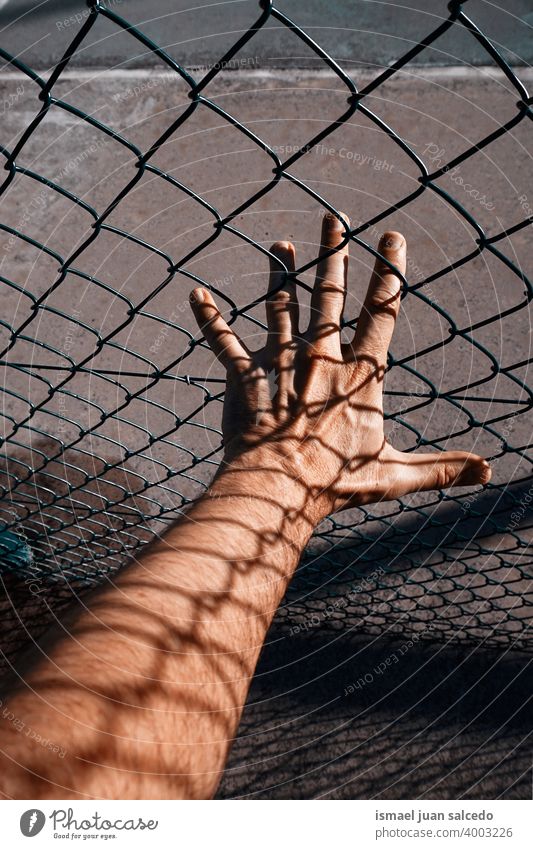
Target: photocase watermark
{"x": 157, "y": 80}
{"x": 80, "y": 17}
{"x": 10, "y": 99}
{"x": 436, "y": 156}
{"x": 525, "y": 205}
{"x": 180, "y": 308}
{"x": 74, "y": 162}
{"x": 32, "y": 822}
{"x": 505, "y": 433}
{"x": 39, "y": 202}
{"x": 233, "y": 64}
{"x": 65, "y": 824}
{"x": 70, "y": 335}
{"x": 67, "y": 346}
{"x": 244, "y": 500}
{"x": 30, "y": 732}
{"x": 144, "y": 85}
{"x": 338, "y": 604}
{"x": 390, "y": 661}
{"x": 34, "y": 584}
{"x": 413, "y": 270}
{"x": 519, "y": 512}
{"x": 62, "y": 409}
{"x": 66, "y": 820}
{"x": 36, "y": 205}
{"x": 418, "y": 390}
{"x": 355, "y": 156}
{"x": 471, "y": 498}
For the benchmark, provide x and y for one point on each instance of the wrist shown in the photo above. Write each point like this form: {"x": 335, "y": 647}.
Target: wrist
{"x": 265, "y": 483}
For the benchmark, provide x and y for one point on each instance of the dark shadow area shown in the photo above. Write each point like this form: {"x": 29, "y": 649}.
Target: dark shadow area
{"x": 440, "y": 723}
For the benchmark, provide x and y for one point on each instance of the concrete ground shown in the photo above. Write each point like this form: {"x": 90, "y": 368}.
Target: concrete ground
{"x": 446, "y": 722}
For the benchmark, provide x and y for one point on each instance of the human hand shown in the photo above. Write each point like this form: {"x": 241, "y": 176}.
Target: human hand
{"x": 313, "y": 407}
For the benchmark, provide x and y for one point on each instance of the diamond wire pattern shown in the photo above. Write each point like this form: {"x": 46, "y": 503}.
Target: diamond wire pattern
{"x": 81, "y": 525}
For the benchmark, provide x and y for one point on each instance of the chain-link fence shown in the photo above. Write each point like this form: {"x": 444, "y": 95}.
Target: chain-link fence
{"x": 105, "y": 444}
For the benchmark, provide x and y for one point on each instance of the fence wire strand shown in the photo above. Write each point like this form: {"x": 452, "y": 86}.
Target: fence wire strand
{"x": 450, "y": 570}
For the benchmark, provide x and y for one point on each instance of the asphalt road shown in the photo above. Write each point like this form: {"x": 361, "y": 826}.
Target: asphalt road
{"x": 449, "y": 722}
{"x": 437, "y": 727}
{"x": 360, "y": 33}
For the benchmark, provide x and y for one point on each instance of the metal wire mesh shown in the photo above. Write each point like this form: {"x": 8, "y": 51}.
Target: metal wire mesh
{"x": 86, "y": 477}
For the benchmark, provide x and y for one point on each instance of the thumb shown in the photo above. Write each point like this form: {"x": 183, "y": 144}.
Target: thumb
{"x": 421, "y": 472}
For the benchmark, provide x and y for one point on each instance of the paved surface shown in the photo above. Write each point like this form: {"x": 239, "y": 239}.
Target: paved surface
{"x": 359, "y": 169}
{"x": 361, "y": 33}
{"x": 300, "y": 736}
{"x": 437, "y": 725}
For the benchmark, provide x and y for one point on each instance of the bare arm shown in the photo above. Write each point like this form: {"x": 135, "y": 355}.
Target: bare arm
{"x": 143, "y": 691}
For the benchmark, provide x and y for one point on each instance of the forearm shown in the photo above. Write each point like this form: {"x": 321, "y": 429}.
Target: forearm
{"x": 144, "y": 691}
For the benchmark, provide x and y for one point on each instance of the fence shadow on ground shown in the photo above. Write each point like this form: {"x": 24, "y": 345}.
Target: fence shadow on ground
{"x": 441, "y": 723}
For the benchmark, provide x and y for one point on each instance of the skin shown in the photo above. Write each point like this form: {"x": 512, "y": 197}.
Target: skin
{"x": 143, "y": 690}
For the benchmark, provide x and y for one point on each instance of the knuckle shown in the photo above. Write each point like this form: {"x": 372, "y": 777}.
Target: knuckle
{"x": 385, "y": 296}
{"x": 368, "y": 368}
{"x": 281, "y": 298}
{"x": 330, "y": 289}
{"x": 445, "y": 474}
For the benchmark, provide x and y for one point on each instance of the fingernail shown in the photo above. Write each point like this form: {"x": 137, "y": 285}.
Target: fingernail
{"x": 393, "y": 241}
{"x": 281, "y": 248}
{"x": 196, "y": 296}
